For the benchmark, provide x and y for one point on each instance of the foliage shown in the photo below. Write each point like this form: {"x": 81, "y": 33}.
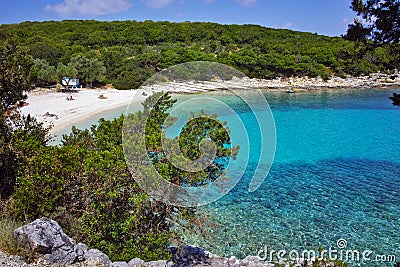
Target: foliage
{"x": 15, "y": 129}
{"x": 89, "y": 69}
{"x": 86, "y": 186}
{"x": 383, "y": 18}
{"x": 8, "y": 243}
{"x": 7, "y": 240}
{"x": 357, "y": 32}
{"x": 47, "y": 51}
{"x": 199, "y": 128}
{"x": 44, "y": 72}
{"x": 66, "y": 71}
{"x": 15, "y": 65}
{"x": 133, "y": 78}
{"x": 133, "y": 51}
{"x": 396, "y": 99}
{"x": 379, "y": 21}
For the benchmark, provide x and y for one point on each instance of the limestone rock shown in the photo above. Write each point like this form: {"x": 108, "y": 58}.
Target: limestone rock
{"x": 161, "y": 263}
{"x": 119, "y": 264}
{"x": 46, "y": 237}
{"x": 94, "y": 257}
{"x": 136, "y": 262}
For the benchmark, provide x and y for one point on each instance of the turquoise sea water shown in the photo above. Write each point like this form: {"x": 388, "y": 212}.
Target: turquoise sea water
{"x": 336, "y": 175}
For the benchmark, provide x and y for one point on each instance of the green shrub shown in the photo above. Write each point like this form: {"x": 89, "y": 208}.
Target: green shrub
{"x": 86, "y": 186}
{"x": 7, "y": 241}
{"x": 88, "y": 189}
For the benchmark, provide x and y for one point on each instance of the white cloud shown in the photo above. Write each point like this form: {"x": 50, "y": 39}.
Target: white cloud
{"x": 247, "y": 2}
{"x": 89, "y": 7}
{"x": 345, "y": 21}
{"x": 157, "y": 3}
{"x": 288, "y": 24}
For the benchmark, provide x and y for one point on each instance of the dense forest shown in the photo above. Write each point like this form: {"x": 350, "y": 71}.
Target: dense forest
{"x": 126, "y": 53}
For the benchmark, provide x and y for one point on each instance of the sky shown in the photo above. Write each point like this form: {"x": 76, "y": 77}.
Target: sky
{"x": 326, "y": 17}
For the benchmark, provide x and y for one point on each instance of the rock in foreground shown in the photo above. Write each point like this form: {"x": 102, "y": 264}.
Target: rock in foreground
{"x": 47, "y": 241}
{"x": 46, "y": 237}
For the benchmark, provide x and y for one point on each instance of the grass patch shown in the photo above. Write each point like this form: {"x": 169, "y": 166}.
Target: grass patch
{"x": 7, "y": 241}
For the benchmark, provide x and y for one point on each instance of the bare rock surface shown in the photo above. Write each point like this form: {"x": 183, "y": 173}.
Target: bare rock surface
{"x": 46, "y": 237}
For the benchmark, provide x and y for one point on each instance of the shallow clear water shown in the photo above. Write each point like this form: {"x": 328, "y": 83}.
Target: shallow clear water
{"x": 336, "y": 174}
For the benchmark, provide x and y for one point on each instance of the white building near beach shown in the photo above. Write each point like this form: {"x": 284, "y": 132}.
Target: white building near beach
{"x": 66, "y": 81}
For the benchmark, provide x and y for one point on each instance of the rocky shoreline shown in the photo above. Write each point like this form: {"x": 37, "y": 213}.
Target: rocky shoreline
{"x": 376, "y": 80}
{"x": 46, "y": 242}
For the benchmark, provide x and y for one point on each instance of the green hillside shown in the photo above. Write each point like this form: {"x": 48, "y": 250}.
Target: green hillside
{"x": 132, "y": 51}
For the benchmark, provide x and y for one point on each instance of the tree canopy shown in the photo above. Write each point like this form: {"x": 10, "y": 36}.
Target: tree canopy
{"x": 89, "y": 69}
{"x": 396, "y": 99}
{"x": 382, "y": 20}
{"x": 132, "y": 51}
{"x": 15, "y": 66}
{"x": 15, "y": 80}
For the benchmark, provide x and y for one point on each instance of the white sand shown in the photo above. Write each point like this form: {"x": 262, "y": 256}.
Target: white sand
{"x": 86, "y": 103}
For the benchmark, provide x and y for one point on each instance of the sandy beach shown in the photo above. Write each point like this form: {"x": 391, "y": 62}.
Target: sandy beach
{"x": 53, "y": 108}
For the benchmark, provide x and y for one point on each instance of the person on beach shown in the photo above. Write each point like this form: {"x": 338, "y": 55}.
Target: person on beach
{"x": 48, "y": 114}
